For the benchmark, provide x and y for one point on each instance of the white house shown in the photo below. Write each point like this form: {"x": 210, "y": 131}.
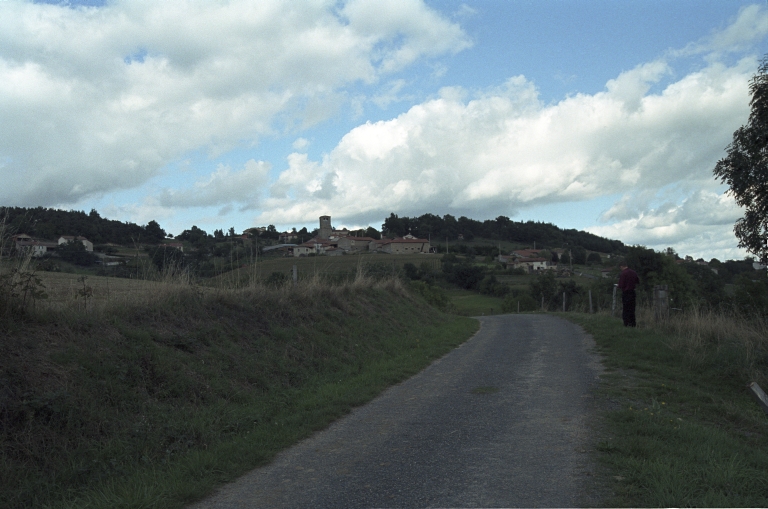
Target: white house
{"x": 69, "y": 238}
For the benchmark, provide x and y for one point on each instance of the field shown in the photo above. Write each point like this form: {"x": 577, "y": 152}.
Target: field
{"x": 333, "y": 266}
{"x": 470, "y": 303}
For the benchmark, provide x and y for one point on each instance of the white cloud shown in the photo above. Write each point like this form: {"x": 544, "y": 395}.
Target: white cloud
{"x": 300, "y": 144}
{"x": 99, "y": 99}
{"x": 390, "y": 94}
{"x": 699, "y": 226}
{"x": 502, "y": 149}
{"x": 223, "y": 187}
{"x": 749, "y": 26}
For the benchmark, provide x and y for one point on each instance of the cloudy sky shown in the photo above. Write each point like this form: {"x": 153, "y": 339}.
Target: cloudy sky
{"x": 601, "y": 115}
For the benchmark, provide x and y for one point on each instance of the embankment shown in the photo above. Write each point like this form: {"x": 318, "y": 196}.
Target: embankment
{"x": 155, "y": 403}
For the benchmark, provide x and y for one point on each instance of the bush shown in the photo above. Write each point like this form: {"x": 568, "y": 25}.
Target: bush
{"x": 48, "y": 265}
{"x": 75, "y": 252}
{"x": 434, "y": 295}
{"x": 525, "y": 302}
{"x": 276, "y": 279}
{"x": 490, "y": 286}
{"x": 463, "y": 274}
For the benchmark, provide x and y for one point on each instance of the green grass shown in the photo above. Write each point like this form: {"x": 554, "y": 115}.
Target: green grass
{"x": 680, "y": 430}
{"x": 346, "y": 266}
{"x": 469, "y": 303}
{"x": 156, "y": 404}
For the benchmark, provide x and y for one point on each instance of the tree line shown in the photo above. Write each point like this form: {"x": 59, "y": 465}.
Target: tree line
{"x": 48, "y": 223}
{"x": 502, "y": 228}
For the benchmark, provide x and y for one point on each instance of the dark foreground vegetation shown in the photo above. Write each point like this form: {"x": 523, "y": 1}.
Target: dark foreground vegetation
{"x": 155, "y": 403}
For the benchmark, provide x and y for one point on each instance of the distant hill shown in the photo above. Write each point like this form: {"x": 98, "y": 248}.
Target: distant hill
{"x": 48, "y": 223}
{"x": 501, "y": 228}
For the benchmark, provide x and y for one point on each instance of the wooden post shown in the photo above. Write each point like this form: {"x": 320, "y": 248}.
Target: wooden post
{"x": 613, "y": 303}
{"x": 660, "y": 302}
{"x": 518, "y": 306}
{"x": 295, "y": 276}
{"x": 759, "y": 395}
{"x": 542, "y": 303}
{"x": 590, "y": 302}
{"x": 563, "y": 302}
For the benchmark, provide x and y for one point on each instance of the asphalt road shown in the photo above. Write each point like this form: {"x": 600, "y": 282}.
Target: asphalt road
{"x": 502, "y": 421}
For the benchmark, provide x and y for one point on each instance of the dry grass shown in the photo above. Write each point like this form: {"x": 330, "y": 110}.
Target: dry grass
{"x": 76, "y": 294}
{"x": 728, "y": 337}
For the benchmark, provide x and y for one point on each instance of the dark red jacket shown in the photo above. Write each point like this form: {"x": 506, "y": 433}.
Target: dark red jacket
{"x": 628, "y": 280}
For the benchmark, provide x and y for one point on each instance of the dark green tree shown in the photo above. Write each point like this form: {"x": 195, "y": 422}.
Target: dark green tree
{"x": 153, "y": 232}
{"x": 544, "y": 286}
{"x": 75, "y": 252}
{"x": 594, "y": 258}
{"x": 745, "y": 168}
{"x": 167, "y": 257}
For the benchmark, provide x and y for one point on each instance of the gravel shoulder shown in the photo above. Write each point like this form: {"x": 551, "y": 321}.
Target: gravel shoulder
{"x": 502, "y": 421}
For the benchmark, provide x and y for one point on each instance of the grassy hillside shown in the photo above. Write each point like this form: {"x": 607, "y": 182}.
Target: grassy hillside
{"x": 154, "y": 400}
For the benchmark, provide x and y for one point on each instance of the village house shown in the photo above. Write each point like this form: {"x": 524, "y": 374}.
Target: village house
{"x": 25, "y": 244}
{"x": 70, "y": 238}
{"x": 287, "y": 237}
{"x": 405, "y": 245}
{"x": 303, "y": 250}
{"x": 531, "y": 264}
{"x": 331, "y": 242}
{"x": 357, "y": 244}
{"x": 527, "y": 253}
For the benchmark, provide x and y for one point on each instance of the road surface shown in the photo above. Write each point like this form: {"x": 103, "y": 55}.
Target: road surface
{"x": 502, "y": 421}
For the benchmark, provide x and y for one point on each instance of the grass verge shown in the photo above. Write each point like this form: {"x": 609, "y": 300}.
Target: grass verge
{"x": 469, "y": 303}
{"x": 155, "y": 404}
{"x": 680, "y": 427}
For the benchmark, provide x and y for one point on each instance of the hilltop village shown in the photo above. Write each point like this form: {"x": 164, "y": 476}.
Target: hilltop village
{"x": 331, "y": 242}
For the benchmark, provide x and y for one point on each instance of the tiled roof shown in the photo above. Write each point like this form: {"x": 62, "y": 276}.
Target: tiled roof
{"x": 402, "y": 241}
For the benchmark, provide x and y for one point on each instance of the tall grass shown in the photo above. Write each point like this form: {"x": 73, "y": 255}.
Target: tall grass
{"x": 720, "y": 336}
{"x": 127, "y": 388}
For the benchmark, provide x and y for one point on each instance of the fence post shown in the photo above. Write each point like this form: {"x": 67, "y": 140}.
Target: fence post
{"x": 590, "y": 302}
{"x": 660, "y": 302}
{"x": 563, "y": 302}
{"x": 295, "y": 275}
{"x": 542, "y": 303}
{"x": 518, "y": 306}
{"x": 613, "y": 303}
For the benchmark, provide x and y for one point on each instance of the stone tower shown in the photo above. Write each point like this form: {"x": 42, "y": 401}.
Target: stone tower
{"x": 325, "y": 227}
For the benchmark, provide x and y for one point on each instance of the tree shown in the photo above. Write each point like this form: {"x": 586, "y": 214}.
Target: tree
{"x": 75, "y": 252}
{"x": 544, "y": 286}
{"x": 154, "y": 232}
{"x": 594, "y": 258}
{"x": 745, "y": 168}
{"x": 372, "y": 233}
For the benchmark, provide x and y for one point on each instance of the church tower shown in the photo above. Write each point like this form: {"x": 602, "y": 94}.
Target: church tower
{"x": 325, "y": 227}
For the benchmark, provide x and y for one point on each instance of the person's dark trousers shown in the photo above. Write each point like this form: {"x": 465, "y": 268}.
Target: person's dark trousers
{"x": 628, "y": 300}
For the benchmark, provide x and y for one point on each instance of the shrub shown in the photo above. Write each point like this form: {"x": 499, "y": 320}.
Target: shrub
{"x": 434, "y": 295}
{"x": 525, "y": 302}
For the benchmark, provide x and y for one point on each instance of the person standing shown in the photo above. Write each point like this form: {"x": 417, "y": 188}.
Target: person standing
{"x": 628, "y": 280}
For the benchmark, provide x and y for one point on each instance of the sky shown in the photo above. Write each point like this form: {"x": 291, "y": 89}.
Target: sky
{"x": 606, "y": 116}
